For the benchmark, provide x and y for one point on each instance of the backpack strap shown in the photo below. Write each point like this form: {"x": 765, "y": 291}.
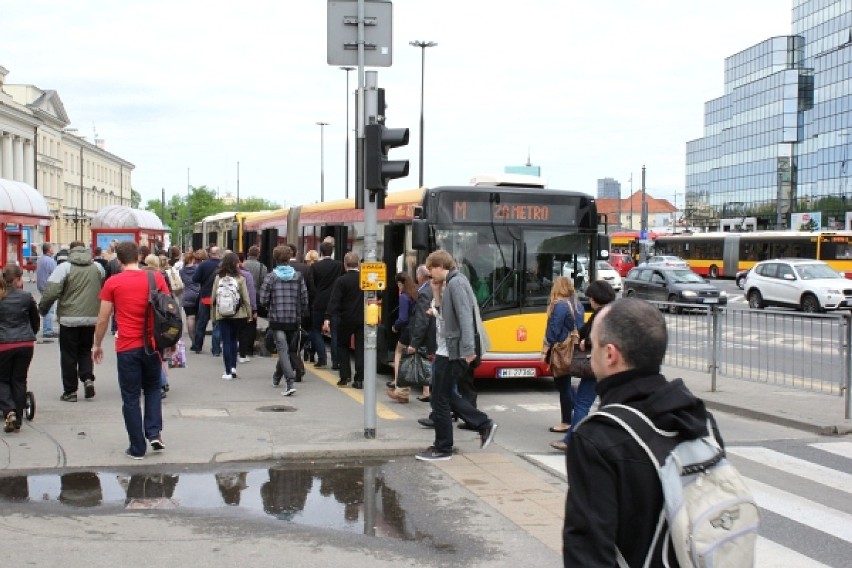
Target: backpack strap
{"x": 152, "y": 287}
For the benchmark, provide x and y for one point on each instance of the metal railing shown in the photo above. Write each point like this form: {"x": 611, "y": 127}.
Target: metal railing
{"x": 790, "y": 349}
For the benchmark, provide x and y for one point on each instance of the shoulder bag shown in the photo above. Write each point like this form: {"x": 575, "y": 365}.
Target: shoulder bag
{"x": 561, "y": 353}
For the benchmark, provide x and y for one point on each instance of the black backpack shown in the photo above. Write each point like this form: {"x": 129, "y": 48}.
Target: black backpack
{"x": 168, "y": 325}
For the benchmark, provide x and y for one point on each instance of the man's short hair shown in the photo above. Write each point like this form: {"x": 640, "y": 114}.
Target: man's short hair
{"x": 127, "y": 252}
{"x": 422, "y": 272}
{"x": 293, "y": 250}
{"x": 440, "y": 259}
{"x": 281, "y": 254}
{"x": 638, "y": 329}
{"x": 75, "y": 244}
{"x": 143, "y": 252}
{"x": 326, "y": 248}
{"x": 254, "y": 250}
{"x": 98, "y": 251}
{"x": 351, "y": 260}
{"x": 45, "y": 248}
{"x": 215, "y": 252}
{"x": 601, "y": 291}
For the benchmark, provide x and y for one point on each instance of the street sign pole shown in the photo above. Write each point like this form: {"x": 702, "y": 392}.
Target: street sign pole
{"x": 370, "y": 244}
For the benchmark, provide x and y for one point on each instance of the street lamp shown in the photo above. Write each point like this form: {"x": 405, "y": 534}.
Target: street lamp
{"x": 322, "y": 126}
{"x": 422, "y": 45}
{"x": 347, "y": 69}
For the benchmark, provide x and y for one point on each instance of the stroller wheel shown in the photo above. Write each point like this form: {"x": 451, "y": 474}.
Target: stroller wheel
{"x": 30, "y": 409}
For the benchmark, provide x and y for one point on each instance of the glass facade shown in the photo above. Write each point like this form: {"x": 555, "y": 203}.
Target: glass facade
{"x": 609, "y": 188}
{"x": 778, "y": 140}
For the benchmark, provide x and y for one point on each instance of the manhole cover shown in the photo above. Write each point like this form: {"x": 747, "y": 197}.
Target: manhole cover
{"x": 277, "y": 408}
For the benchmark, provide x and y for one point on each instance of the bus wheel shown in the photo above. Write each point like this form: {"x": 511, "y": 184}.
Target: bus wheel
{"x": 714, "y": 271}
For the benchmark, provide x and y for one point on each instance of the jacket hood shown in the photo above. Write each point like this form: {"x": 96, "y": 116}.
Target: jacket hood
{"x": 668, "y": 404}
{"x": 285, "y": 272}
{"x": 80, "y": 255}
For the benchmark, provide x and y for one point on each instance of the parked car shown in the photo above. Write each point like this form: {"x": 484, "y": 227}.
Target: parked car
{"x": 740, "y": 278}
{"x": 668, "y": 261}
{"x": 605, "y": 271}
{"x": 809, "y": 285}
{"x": 671, "y": 284}
{"x": 622, "y": 262}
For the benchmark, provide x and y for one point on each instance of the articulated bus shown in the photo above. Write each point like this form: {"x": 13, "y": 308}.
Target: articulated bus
{"x": 724, "y": 254}
{"x": 510, "y": 242}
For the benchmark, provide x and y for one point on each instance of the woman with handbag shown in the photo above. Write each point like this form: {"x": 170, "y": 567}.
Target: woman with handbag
{"x": 599, "y": 293}
{"x": 407, "y": 299}
{"x": 564, "y": 320}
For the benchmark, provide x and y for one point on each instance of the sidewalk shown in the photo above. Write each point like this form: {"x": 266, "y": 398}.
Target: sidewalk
{"x": 208, "y": 421}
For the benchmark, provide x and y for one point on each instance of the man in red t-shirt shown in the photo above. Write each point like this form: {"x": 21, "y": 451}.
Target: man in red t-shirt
{"x": 138, "y": 372}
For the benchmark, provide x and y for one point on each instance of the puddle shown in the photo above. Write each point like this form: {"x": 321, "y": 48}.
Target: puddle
{"x": 350, "y": 498}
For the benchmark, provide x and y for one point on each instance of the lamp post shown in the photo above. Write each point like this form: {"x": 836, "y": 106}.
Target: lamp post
{"x": 346, "y": 188}
{"x": 422, "y": 45}
{"x": 322, "y": 126}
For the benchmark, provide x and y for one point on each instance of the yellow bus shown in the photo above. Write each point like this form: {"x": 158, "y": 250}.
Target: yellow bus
{"x": 509, "y": 241}
{"x": 724, "y": 254}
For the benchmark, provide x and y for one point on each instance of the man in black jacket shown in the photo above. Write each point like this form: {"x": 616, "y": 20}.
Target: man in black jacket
{"x": 204, "y": 275}
{"x": 347, "y": 305}
{"x": 615, "y": 497}
{"x": 323, "y": 275}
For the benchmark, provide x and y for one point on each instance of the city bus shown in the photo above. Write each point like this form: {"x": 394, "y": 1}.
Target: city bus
{"x": 724, "y": 254}
{"x": 509, "y": 241}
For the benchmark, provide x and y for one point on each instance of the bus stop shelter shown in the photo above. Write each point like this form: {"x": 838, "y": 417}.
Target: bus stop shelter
{"x": 24, "y": 221}
{"x": 120, "y": 223}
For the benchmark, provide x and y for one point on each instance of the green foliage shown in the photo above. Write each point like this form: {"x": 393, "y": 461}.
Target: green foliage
{"x": 135, "y": 199}
{"x": 202, "y": 202}
{"x": 257, "y": 204}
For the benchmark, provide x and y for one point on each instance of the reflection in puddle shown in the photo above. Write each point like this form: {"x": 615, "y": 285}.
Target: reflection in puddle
{"x": 347, "y": 498}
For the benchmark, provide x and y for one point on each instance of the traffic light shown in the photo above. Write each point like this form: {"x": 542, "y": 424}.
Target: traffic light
{"x": 378, "y": 170}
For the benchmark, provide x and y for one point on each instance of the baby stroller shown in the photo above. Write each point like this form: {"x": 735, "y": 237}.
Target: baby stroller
{"x": 30, "y": 408}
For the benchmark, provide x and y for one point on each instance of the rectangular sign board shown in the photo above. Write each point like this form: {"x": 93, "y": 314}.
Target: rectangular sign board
{"x": 342, "y": 36}
{"x": 373, "y": 276}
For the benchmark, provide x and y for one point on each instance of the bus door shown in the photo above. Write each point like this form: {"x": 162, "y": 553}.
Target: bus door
{"x": 392, "y": 249}
{"x": 340, "y": 233}
{"x": 731, "y": 256}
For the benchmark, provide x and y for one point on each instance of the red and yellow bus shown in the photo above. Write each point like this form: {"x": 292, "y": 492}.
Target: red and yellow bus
{"x": 724, "y": 254}
{"x": 510, "y": 242}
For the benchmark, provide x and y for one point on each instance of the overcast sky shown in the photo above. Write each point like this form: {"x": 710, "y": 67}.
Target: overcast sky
{"x": 590, "y": 89}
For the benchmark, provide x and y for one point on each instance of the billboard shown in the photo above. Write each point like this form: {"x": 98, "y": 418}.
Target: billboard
{"x": 807, "y": 221}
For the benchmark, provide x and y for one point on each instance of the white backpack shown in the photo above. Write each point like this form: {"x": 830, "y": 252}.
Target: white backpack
{"x": 710, "y": 516}
{"x": 228, "y": 299}
{"x": 175, "y": 281}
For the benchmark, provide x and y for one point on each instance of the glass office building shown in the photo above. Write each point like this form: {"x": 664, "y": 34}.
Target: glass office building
{"x": 777, "y": 141}
{"x": 609, "y": 188}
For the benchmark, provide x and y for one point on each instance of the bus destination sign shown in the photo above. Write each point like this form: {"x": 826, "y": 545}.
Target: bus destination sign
{"x": 483, "y": 212}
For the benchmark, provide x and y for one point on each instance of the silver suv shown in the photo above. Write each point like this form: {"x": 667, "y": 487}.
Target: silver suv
{"x": 809, "y": 285}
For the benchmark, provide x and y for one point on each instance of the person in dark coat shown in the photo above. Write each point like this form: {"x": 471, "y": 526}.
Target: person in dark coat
{"x": 204, "y": 276}
{"x": 615, "y": 496}
{"x": 19, "y": 323}
{"x": 323, "y": 275}
{"x": 347, "y": 305}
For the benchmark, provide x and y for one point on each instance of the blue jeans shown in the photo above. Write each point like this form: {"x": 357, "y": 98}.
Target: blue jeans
{"x": 317, "y": 341}
{"x": 139, "y": 373}
{"x": 584, "y": 397}
{"x": 445, "y": 402}
{"x": 230, "y": 331}
{"x": 566, "y": 398}
{"x": 47, "y": 320}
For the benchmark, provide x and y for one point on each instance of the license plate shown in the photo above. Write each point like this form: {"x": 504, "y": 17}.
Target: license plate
{"x": 711, "y": 300}
{"x": 525, "y": 372}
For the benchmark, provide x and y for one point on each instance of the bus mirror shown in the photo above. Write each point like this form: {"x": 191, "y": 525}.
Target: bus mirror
{"x": 419, "y": 234}
{"x": 603, "y": 247}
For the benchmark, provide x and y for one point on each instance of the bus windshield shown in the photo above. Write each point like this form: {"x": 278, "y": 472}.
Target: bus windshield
{"x": 512, "y": 267}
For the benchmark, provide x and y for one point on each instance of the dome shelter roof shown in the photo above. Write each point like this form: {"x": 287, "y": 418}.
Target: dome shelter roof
{"x": 122, "y": 217}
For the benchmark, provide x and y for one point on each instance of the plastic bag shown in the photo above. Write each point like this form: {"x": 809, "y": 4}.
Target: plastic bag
{"x": 178, "y": 358}
{"x": 415, "y": 370}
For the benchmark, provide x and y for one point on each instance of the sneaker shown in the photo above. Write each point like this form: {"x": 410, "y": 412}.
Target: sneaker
{"x": 89, "y": 388}
{"x": 288, "y": 391}
{"x": 433, "y": 455}
{"x": 244, "y": 359}
{"x": 11, "y": 418}
{"x": 227, "y": 377}
{"x": 132, "y": 456}
{"x": 157, "y": 445}
{"x": 233, "y": 372}
{"x": 486, "y": 434}
{"x": 68, "y": 397}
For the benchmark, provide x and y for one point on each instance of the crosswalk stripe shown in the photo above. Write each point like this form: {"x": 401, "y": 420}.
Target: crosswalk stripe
{"x": 801, "y": 510}
{"x": 842, "y": 449}
{"x": 789, "y": 464}
{"x": 773, "y": 555}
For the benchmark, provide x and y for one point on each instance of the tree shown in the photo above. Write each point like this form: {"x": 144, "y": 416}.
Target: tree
{"x": 135, "y": 198}
{"x": 257, "y": 204}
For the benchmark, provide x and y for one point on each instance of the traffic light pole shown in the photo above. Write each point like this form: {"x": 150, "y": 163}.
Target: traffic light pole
{"x": 367, "y": 93}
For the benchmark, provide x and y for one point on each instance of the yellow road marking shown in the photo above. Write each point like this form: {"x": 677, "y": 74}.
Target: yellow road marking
{"x": 382, "y": 411}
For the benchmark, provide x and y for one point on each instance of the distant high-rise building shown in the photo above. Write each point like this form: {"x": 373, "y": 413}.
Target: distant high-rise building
{"x": 609, "y": 188}
{"x": 777, "y": 141}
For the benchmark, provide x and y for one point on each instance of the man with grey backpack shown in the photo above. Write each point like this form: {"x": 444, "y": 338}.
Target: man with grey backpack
{"x": 649, "y": 485}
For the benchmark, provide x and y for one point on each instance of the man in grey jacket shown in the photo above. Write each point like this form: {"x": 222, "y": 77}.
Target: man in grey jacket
{"x": 75, "y": 286}
{"x": 44, "y": 268}
{"x": 456, "y": 325}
